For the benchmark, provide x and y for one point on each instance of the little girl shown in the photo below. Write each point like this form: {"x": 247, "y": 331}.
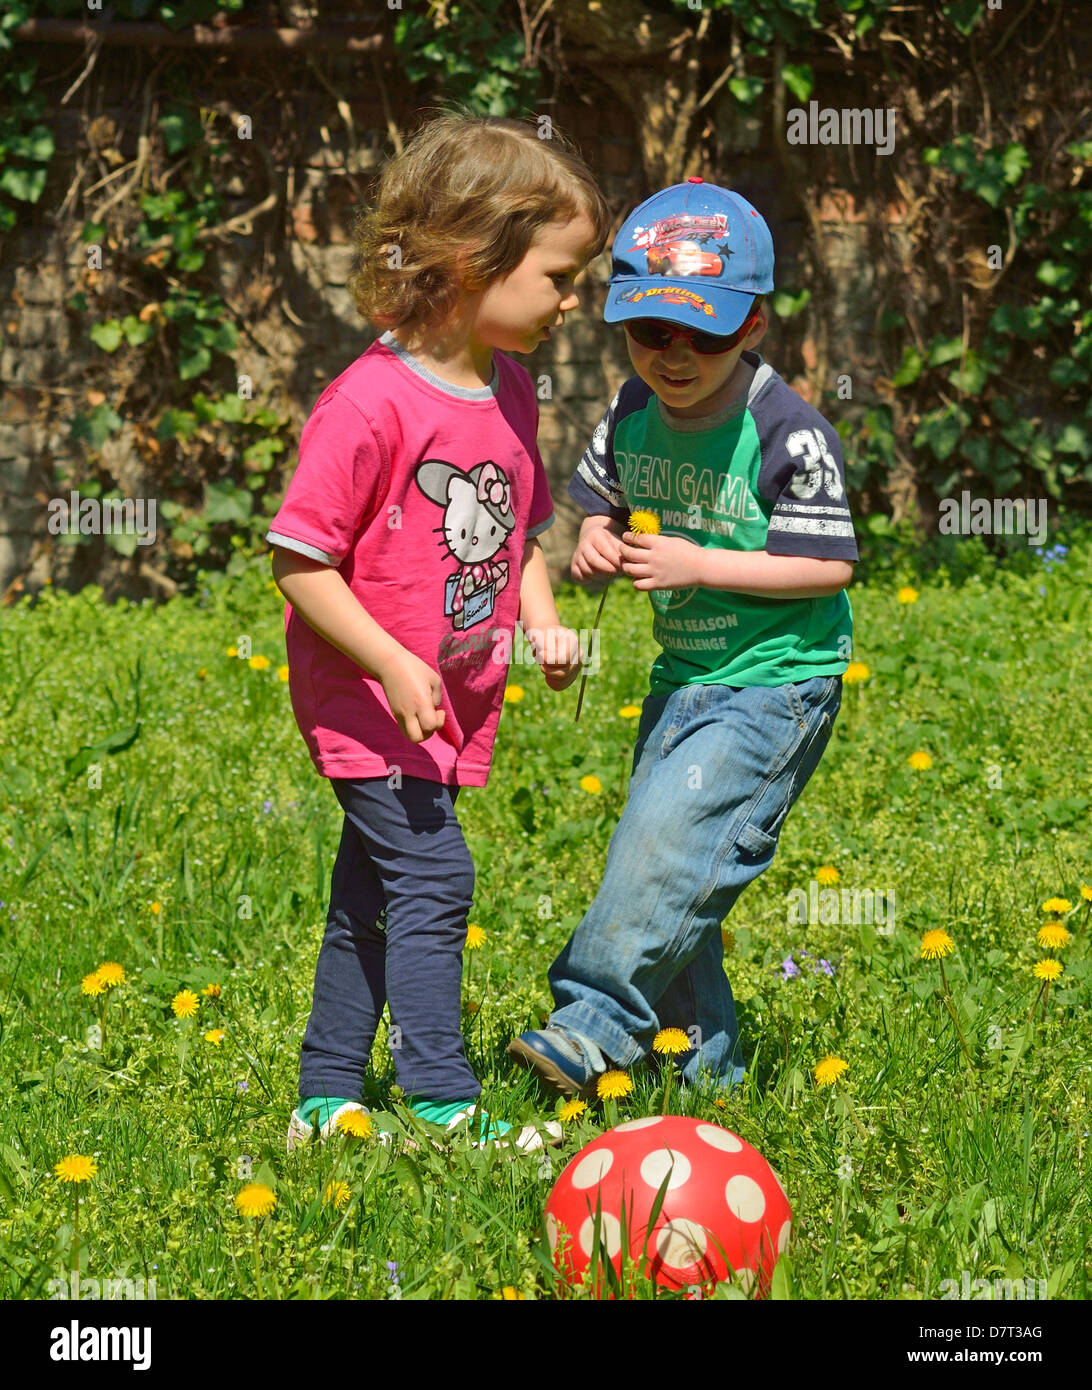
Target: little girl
{"x": 406, "y": 548}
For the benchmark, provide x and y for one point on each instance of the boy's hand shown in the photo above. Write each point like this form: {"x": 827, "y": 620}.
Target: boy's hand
{"x": 557, "y": 651}
{"x": 598, "y": 551}
{"x": 413, "y": 690}
{"x": 662, "y": 562}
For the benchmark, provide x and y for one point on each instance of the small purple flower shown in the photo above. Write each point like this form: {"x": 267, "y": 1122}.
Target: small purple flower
{"x": 789, "y": 968}
{"x": 826, "y": 967}
{"x": 267, "y": 806}
{"x": 242, "y": 1086}
{"x": 392, "y": 1270}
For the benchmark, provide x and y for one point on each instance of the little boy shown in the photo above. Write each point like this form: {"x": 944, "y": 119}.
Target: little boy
{"x": 746, "y": 578}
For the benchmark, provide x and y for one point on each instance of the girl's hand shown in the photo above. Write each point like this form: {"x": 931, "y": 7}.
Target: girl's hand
{"x": 598, "y": 551}
{"x": 662, "y": 562}
{"x": 413, "y": 690}
{"x": 557, "y": 651}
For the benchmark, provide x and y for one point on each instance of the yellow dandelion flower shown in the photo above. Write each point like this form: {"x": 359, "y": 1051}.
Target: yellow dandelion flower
{"x": 612, "y": 1085}
{"x": 475, "y": 937}
{"x": 259, "y": 663}
{"x": 282, "y": 673}
{"x": 513, "y": 694}
{"x": 111, "y": 973}
{"x": 185, "y": 1003}
{"x": 830, "y": 1070}
{"x": 354, "y": 1122}
{"x": 855, "y": 672}
{"x": 233, "y": 651}
{"x": 1057, "y": 905}
{"x": 572, "y": 1110}
{"x": 629, "y": 711}
{"x": 827, "y": 874}
{"x": 338, "y": 1193}
{"x": 202, "y": 674}
{"x": 1048, "y": 970}
{"x": 215, "y": 1036}
{"x": 1086, "y": 892}
{"x": 936, "y": 944}
{"x": 907, "y": 594}
{"x": 591, "y": 784}
{"x": 511, "y": 1294}
{"x": 93, "y": 984}
{"x": 255, "y": 1200}
{"x": 919, "y": 761}
{"x": 644, "y": 523}
{"x": 1053, "y": 936}
{"x": 671, "y": 1040}
{"x": 76, "y": 1168}
{"x": 156, "y": 908}
{"x": 212, "y": 991}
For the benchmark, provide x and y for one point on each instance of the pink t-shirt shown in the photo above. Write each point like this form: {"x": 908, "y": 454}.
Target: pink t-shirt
{"x": 422, "y": 494}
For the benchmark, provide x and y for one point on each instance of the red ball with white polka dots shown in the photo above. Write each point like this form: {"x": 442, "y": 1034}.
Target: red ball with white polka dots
{"x": 725, "y": 1215}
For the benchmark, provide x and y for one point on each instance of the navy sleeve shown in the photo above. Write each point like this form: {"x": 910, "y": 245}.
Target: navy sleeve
{"x": 594, "y": 486}
{"x": 802, "y": 473}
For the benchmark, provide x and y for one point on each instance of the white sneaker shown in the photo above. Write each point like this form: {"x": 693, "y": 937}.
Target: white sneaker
{"x": 530, "y": 1139}
{"x": 300, "y": 1131}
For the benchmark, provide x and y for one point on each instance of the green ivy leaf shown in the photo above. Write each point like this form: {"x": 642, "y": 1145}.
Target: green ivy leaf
{"x": 107, "y": 335}
{"x": 745, "y": 89}
{"x": 910, "y": 368}
{"x": 799, "y": 79}
{"x": 24, "y": 184}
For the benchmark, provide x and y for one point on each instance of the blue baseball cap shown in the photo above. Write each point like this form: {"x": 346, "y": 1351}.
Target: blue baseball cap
{"x": 694, "y": 254}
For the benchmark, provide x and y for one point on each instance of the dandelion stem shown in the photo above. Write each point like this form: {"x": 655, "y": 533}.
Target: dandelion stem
{"x": 853, "y": 1113}
{"x": 949, "y": 1004}
{"x": 257, "y": 1260}
{"x": 76, "y": 1235}
{"x": 669, "y": 1067}
{"x": 584, "y": 676}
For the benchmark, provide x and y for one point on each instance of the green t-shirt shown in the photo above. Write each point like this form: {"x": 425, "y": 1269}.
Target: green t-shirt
{"x": 765, "y": 474}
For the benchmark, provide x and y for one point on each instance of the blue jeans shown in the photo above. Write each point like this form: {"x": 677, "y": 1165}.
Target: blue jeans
{"x": 715, "y": 770}
{"x": 404, "y": 849}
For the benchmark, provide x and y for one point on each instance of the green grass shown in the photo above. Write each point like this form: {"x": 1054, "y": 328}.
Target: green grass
{"x": 205, "y": 802}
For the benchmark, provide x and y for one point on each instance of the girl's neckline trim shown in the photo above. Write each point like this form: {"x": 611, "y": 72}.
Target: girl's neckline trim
{"x": 462, "y": 393}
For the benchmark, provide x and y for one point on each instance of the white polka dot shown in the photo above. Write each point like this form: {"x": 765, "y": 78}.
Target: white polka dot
{"x": 681, "y": 1243}
{"x": 783, "y": 1237}
{"x": 551, "y": 1231}
{"x": 659, "y": 1163}
{"x": 610, "y": 1235}
{"x": 744, "y": 1197}
{"x": 592, "y": 1168}
{"x": 638, "y": 1124}
{"x": 720, "y": 1138}
{"x": 745, "y": 1278}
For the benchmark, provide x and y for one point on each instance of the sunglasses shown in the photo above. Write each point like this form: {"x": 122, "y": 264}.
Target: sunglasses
{"x": 653, "y": 333}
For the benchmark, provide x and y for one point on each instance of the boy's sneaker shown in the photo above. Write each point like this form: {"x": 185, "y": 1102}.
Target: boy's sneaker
{"x": 556, "y": 1058}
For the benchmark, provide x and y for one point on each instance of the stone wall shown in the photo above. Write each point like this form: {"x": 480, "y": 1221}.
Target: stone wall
{"x": 306, "y": 334}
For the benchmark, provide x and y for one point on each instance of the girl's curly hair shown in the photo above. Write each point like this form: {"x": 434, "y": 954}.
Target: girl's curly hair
{"x": 458, "y": 208}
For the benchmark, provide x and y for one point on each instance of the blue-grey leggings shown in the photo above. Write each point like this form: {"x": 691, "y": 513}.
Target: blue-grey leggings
{"x": 404, "y": 849}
